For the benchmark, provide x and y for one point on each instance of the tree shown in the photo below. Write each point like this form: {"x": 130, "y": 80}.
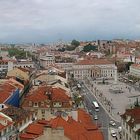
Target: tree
{"x": 70, "y": 48}
{"x": 89, "y": 47}
{"x": 61, "y": 49}
{"x": 75, "y": 43}
{"x": 19, "y": 54}
{"x": 128, "y": 65}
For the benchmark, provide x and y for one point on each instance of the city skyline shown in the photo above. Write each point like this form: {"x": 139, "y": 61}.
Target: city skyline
{"x": 42, "y": 21}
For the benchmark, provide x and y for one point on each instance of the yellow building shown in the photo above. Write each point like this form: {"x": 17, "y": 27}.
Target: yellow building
{"x": 20, "y": 73}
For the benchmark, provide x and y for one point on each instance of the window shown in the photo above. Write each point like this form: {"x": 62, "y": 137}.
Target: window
{"x": 126, "y": 126}
{"x": 43, "y": 111}
{"x": 35, "y": 104}
{"x": 42, "y": 103}
{"x": 130, "y": 130}
{"x": 30, "y": 103}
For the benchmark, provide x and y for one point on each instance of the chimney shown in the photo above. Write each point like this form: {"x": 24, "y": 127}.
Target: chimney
{"x": 74, "y": 115}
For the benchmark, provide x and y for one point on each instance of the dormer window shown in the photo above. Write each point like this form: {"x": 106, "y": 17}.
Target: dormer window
{"x": 42, "y": 103}
{"x": 30, "y": 103}
{"x": 35, "y": 104}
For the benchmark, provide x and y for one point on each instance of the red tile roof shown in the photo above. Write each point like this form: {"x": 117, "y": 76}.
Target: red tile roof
{"x": 58, "y": 122}
{"x": 36, "y": 129}
{"x": 38, "y": 94}
{"x": 77, "y": 130}
{"x": 26, "y": 136}
{"x": 58, "y": 94}
{"x": 7, "y": 88}
{"x": 33, "y": 131}
{"x": 94, "y": 62}
{"x": 134, "y": 115}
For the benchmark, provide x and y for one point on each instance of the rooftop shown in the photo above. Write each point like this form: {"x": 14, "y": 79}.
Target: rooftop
{"x": 78, "y": 130}
{"x": 17, "y": 114}
{"x": 134, "y": 115}
{"x": 7, "y": 88}
{"x": 94, "y": 62}
{"x": 7, "y": 123}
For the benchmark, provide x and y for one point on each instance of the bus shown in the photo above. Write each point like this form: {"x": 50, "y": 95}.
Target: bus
{"x": 96, "y": 106}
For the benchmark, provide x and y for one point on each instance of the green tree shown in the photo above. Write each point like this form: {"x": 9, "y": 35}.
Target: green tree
{"x": 70, "y": 48}
{"x": 75, "y": 43}
{"x": 89, "y": 47}
{"x": 19, "y": 54}
{"x": 128, "y": 65}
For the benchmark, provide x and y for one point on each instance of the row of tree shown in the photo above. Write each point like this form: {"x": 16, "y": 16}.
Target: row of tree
{"x": 75, "y": 44}
{"x": 19, "y": 54}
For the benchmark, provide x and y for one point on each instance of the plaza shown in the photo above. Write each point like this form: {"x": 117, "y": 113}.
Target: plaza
{"x": 114, "y": 96}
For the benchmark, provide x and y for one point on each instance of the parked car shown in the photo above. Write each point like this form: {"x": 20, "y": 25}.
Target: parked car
{"x": 113, "y": 133}
{"x": 95, "y": 117}
{"x": 112, "y": 123}
{"x": 119, "y": 129}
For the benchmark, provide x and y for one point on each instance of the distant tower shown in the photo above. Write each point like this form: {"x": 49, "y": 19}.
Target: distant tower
{"x": 99, "y": 45}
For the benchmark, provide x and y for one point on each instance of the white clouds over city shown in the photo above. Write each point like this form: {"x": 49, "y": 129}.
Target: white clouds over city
{"x": 50, "y": 20}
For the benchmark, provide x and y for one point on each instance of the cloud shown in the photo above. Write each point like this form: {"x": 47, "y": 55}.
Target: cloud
{"x": 50, "y": 20}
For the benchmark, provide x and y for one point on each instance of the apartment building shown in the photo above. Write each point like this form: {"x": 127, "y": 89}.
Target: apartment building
{"x": 130, "y": 122}
{"x": 17, "y": 120}
{"x": 10, "y": 92}
{"x": 46, "y": 60}
{"x": 77, "y": 126}
{"x": 94, "y": 68}
{"x": 7, "y": 65}
{"x": 6, "y": 127}
{"x": 47, "y": 101}
{"x": 135, "y": 70}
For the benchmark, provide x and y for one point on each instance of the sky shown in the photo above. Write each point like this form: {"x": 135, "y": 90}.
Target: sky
{"x": 42, "y": 21}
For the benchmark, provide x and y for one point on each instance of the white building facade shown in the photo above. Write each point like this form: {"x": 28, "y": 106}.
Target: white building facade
{"x": 47, "y": 60}
{"x": 135, "y": 70}
{"x": 95, "y": 68}
{"x": 130, "y": 122}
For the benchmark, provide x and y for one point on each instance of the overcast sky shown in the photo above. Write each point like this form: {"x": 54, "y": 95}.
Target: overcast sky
{"x": 50, "y": 20}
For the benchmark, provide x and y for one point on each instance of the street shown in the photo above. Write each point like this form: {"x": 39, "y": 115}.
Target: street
{"x": 103, "y": 117}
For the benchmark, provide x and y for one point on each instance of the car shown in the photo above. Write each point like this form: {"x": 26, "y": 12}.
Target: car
{"x": 112, "y": 123}
{"x": 95, "y": 117}
{"x": 119, "y": 129}
{"x": 113, "y": 133}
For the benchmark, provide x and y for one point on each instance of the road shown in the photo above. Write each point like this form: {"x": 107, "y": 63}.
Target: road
{"x": 103, "y": 117}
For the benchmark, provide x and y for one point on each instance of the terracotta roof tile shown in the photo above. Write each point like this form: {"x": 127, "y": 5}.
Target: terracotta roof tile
{"x": 26, "y": 136}
{"x": 7, "y": 88}
{"x": 36, "y": 129}
{"x": 59, "y": 94}
{"x": 83, "y": 129}
{"x": 94, "y": 62}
